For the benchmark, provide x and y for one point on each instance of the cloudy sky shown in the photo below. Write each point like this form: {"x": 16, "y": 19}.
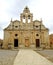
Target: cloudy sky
{"x": 12, "y": 9}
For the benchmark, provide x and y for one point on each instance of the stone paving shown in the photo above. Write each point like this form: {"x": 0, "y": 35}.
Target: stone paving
{"x": 7, "y": 57}
{"x": 47, "y": 53}
{"x": 30, "y": 57}
{"x": 25, "y": 57}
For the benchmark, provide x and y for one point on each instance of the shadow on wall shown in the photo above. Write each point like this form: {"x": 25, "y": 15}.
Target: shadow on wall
{"x": 1, "y": 43}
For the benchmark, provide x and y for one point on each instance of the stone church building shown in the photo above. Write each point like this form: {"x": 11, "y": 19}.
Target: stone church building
{"x": 26, "y": 32}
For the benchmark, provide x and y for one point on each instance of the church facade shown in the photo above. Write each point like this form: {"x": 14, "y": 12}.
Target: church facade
{"x": 26, "y": 32}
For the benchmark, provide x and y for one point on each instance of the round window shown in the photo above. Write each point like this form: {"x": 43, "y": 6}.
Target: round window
{"x": 16, "y": 34}
{"x": 37, "y": 34}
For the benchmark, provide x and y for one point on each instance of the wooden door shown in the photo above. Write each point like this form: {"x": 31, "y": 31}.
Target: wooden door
{"x": 15, "y": 42}
{"x": 37, "y": 43}
{"x": 26, "y": 42}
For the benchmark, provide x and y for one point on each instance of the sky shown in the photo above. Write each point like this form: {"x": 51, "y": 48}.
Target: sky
{"x": 12, "y": 9}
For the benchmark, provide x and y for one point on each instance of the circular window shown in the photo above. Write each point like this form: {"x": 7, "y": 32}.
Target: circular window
{"x": 36, "y": 26}
{"x": 37, "y": 34}
{"x": 16, "y": 34}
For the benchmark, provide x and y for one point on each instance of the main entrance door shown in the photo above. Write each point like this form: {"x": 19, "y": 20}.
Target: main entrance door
{"x": 15, "y": 42}
{"x": 26, "y": 42}
{"x": 37, "y": 43}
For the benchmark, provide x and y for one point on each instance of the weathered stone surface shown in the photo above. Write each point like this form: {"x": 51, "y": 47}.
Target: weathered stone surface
{"x": 26, "y": 32}
{"x": 7, "y": 57}
{"x": 30, "y": 57}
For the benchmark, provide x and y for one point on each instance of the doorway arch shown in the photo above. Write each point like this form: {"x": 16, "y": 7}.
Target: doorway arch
{"x": 15, "y": 42}
{"x": 37, "y": 43}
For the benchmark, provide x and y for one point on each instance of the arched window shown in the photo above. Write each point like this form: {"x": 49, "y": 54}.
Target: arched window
{"x": 28, "y": 16}
{"x": 16, "y": 34}
{"x": 36, "y": 26}
{"x": 37, "y": 34}
{"x": 24, "y": 18}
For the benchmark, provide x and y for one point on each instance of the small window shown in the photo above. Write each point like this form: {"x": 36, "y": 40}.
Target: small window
{"x": 37, "y": 34}
{"x": 16, "y": 34}
{"x": 26, "y": 8}
{"x": 16, "y": 26}
{"x": 36, "y": 26}
{"x": 28, "y": 16}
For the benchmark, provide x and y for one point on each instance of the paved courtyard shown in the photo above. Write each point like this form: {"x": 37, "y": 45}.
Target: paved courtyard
{"x": 7, "y": 57}
{"x": 30, "y": 57}
{"x": 47, "y": 53}
{"x": 26, "y": 57}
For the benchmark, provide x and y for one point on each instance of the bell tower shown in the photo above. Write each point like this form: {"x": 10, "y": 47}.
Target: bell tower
{"x": 26, "y": 16}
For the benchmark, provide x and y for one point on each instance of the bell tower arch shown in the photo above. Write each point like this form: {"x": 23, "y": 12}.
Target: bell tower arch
{"x": 26, "y": 16}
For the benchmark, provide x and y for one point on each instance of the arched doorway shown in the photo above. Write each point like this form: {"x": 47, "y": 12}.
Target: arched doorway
{"x": 15, "y": 42}
{"x": 26, "y": 42}
{"x": 37, "y": 43}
